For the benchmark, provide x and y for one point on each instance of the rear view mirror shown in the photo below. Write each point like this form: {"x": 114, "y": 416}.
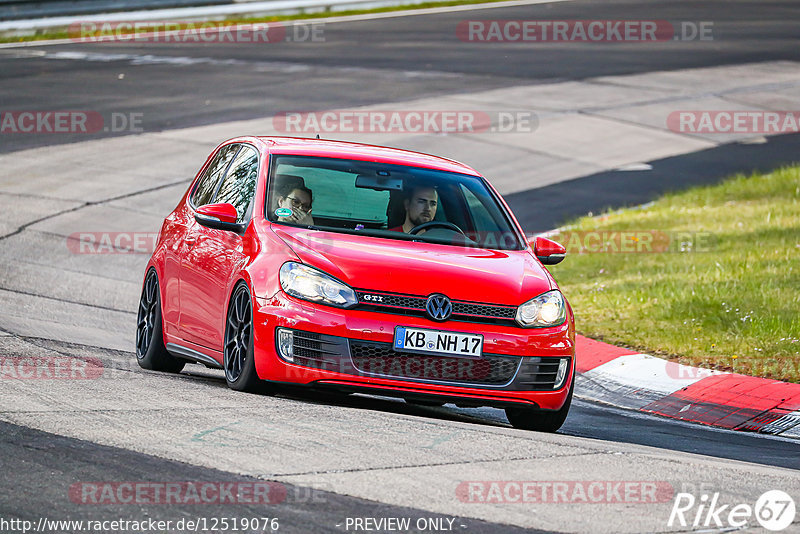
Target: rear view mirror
{"x": 547, "y": 251}
{"x": 379, "y": 183}
{"x": 221, "y": 216}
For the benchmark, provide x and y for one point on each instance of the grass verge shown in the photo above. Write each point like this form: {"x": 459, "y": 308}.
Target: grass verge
{"x": 64, "y": 33}
{"x": 708, "y": 277}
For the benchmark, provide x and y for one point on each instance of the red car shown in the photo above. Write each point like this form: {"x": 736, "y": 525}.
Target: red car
{"x": 363, "y": 269}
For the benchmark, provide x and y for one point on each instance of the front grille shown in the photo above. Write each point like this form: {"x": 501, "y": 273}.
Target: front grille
{"x": 380, "y": 359}
{"x": 415, "y": 305}
{"x": 395, "y": 301}
{"x": 538, "y": 374}
{"x": 484, "y": 310}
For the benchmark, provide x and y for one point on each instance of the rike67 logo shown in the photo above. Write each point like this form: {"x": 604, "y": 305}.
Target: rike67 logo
{"x": 774, "y": 510}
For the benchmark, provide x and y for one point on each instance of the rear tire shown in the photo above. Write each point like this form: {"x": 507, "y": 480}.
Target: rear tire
{"x": 540, "y": 420}
{"x": 239, "y": 360}
{"x": 150, "y": 350}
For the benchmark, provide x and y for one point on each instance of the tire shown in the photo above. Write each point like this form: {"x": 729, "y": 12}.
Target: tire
{"x": 239, "y": 361}
{"x": 540, "y": 420}
{"x": 150, "y": 350}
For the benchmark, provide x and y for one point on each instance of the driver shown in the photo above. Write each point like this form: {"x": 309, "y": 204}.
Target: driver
{"x": 420, "y": 203}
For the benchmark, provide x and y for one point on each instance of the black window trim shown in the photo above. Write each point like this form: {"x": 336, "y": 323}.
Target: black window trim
{"x": 241, "y": 144}
{"x": 225, "y": 173}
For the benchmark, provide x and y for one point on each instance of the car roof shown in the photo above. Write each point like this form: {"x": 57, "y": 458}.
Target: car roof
{"x": 346, "y": 150}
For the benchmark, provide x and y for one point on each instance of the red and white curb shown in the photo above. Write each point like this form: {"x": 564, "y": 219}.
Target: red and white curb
{"x": 627, "y": 379}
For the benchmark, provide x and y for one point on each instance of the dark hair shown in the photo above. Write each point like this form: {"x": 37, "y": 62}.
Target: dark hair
{"x": 286, "y": 183}
{"x": 410, "y": 187}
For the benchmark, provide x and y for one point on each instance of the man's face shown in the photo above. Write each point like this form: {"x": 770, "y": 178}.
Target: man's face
{"x": 421, "y": 207}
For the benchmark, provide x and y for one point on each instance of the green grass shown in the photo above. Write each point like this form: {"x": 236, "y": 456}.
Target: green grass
{"x": 729, "y": 301}
{"x": 63, "y": 33}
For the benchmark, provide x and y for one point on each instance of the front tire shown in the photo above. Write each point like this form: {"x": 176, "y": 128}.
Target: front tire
{"x": 150, "y": 350}
{"x": 540, "y": 420}
{"x": 239, "y": 362}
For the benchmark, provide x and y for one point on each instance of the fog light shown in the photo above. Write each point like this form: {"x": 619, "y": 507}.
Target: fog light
{"x": 563, "y": 367}
{"x": 286, "y": 344}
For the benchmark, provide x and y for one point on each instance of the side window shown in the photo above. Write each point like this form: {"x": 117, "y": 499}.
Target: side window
{"x": 207, "y": 184}
{"x": 239, "y": 185}
{"x": 484, "y": 222}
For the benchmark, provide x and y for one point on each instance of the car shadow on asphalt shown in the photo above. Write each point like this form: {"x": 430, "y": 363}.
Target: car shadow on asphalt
{"x": 354, "y": 400}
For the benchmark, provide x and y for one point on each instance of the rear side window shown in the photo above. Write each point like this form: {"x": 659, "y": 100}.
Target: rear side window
{"x": 204, "y": 191}
{"x": 239, "y": 184}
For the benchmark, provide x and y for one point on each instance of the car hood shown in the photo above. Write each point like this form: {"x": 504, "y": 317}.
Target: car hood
{"x": 378, "y": 264}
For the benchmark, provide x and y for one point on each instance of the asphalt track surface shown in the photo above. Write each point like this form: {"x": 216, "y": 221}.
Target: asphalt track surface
{"x": 360, "y": 63}
{"x": 365, "y": 62}
{"x": 61, "y": 461}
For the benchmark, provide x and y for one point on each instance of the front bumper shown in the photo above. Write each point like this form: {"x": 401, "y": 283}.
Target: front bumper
{"x": 352, "y": 350}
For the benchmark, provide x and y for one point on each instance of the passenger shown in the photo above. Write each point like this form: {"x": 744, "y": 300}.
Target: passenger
{"x": 292, "y": 194}
{"x": 420, "y": 204}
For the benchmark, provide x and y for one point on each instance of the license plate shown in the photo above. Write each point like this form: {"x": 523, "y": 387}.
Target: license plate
{"x": 425, "y": 341}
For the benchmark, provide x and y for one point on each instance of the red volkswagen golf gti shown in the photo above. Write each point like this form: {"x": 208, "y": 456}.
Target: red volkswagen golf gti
{"x": 363, "y": 269}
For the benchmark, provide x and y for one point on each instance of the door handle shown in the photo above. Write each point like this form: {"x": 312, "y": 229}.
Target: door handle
{"x": 190, "y": 240}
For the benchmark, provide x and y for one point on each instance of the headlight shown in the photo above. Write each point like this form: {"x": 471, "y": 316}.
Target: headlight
{"x": 307, "y": 283}
{"x": 548, "y": 309}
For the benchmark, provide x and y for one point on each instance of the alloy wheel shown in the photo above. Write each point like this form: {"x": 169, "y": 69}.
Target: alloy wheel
{"x": 238, "y": 331}
{"x": 145, "y": 324}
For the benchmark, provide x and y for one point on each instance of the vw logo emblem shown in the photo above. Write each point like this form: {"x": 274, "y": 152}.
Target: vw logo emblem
{"x": 439, "y": 307}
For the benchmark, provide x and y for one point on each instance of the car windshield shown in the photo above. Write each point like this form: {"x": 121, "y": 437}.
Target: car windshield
{"x": 389, "y": 201}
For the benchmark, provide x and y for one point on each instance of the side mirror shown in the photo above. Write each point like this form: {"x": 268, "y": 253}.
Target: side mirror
{"x": 549, "y": 252}
{"x": 220, "y": 217}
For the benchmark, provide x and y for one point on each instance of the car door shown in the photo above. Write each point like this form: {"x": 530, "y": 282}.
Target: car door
{"x": 178, "y": 225}
{"x": 212, "y": 257}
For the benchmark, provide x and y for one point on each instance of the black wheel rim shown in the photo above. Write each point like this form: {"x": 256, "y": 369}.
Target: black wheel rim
{"x": 238, "y": 330}
{"x": 146, "y": 321}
